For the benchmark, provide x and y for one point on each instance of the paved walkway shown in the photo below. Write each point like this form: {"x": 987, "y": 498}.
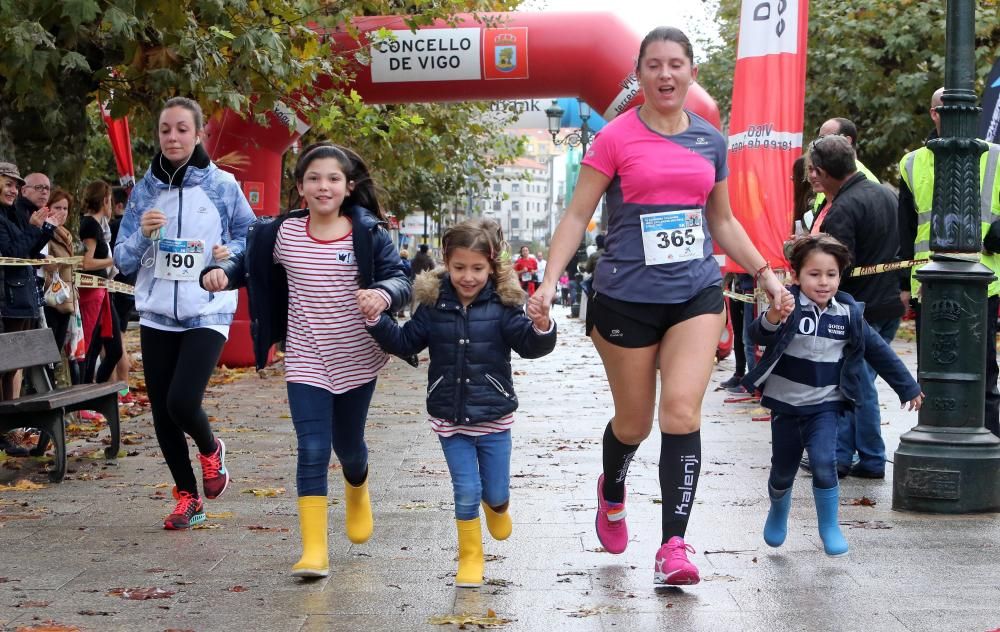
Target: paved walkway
{"x": 72, "y": 553}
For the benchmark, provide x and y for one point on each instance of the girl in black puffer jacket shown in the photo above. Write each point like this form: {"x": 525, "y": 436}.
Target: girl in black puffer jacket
{"x": 470, "y": 316}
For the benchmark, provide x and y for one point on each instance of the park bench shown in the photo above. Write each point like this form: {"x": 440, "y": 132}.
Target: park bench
{"x": 46, "y": 408}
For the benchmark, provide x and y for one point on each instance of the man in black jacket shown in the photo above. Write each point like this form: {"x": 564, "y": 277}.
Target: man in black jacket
{"x": 863, "y": 215}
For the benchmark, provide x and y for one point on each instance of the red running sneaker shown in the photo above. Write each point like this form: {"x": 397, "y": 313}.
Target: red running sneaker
{"x": 188, "y": 512}
{"x": 672, "y": 567}
{"x": 214, "y": 476}
{"x": 610, "y": 522}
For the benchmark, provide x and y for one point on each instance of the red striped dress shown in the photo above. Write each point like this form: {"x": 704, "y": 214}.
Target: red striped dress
{"x": 326, "y": 345}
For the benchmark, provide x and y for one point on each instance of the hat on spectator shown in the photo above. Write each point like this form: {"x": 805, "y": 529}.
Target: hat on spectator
{"x": 9, "y": 169}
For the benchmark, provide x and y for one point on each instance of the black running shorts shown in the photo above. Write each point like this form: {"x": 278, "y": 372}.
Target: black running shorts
{"x": 635, "y": 325}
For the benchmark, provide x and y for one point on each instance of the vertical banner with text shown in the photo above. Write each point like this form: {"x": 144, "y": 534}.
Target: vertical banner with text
{"x": 765, "y": 124}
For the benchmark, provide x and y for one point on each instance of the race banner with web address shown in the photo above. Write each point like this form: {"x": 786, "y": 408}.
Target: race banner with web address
{"x": 765, "y": 125}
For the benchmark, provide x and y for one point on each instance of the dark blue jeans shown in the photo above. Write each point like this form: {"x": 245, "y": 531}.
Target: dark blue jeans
{"x": 861, "y": 432}
{"x": 480, "y": 470}
{"x": 817, "y": 434}
{"x": 745, "y": 285}
{"x": 323, "y": 421}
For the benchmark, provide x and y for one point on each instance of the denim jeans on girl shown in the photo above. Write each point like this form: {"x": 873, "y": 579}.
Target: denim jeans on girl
{"x": 817, "y": 434}
{"x": 323, "y": 421}
{"x": 480, "y": 470}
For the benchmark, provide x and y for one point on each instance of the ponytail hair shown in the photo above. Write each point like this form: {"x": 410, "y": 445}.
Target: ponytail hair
{"x": 353, "y": 166}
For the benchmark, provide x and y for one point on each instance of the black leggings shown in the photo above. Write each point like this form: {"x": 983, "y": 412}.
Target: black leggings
{"x": 178, "y": 365}
{"x": 112, "y": 352}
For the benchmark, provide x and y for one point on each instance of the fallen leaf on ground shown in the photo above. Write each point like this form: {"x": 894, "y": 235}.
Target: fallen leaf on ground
{"x": 207, "y": 526}
{"x": 49, "y": 626}
{"x": 23, "y": 485}
{"x": 257, "y": 527}
{"x": 866, "y": 524}
{"x": 220, "y": 515}
{"x": 864, "y": 501}
{"x": 267, "y": 492}
{"x": 590, "y": 612}
{"x": 489, "y": 620}
{"x": 141, "y": 594}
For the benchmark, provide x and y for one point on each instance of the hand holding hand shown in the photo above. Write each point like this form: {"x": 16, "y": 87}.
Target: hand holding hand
{"x": 543, "y": 296}
{"x": 538, "y": 312}
{"x": 787, "y": 305}
{"x": 220, "y": 252}
{"x": 215, "y": 280}
{"x": 914, "y": 403}
{"x": 152, "y": 220}
{"x": 372, "y": 303}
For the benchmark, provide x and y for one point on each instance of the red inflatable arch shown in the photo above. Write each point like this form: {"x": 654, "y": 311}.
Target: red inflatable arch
{"x": 519, "y": 55}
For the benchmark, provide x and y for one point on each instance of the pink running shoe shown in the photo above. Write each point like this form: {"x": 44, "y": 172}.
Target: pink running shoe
{"x": 610, "y": 523}
{"x": 214, "y": 475}
{"x": 672, "y": 567}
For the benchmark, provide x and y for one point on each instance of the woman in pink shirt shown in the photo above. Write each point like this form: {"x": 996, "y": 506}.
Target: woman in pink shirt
{"x": 657, "y": 289}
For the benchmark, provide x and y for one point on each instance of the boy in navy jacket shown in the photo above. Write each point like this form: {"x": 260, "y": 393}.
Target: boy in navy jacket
{"x": 817, "y": 342}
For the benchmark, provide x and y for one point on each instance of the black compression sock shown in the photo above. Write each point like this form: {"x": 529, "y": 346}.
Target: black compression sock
{"x": 617, "y": 457}
{"x": 680, "y": 465}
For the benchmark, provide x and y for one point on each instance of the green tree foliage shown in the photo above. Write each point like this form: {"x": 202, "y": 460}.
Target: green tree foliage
{"x": 458, "y": 144}
{"x": 876, "y": 63}
{"x": 57, "y": 57}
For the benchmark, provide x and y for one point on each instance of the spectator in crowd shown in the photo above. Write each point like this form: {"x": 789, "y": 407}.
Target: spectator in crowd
{"x": 404, "y": 260}
{"x": 846, "y": 128}
{"x": 100, "y": 325}
{"x": 863, "y": 217}
{"x": 122, "y": 303}
{"x": 422, "y": 262}
{"x": 57, "y": 316}
{"x": 23, "y": 232}
{"x": 526, "y": 268}
{"x": 916, "y": 196}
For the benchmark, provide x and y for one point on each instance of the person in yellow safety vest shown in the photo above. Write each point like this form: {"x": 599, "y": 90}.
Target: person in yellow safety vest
{"x": 843, "y": 127}
{"x": 916, "y": 195}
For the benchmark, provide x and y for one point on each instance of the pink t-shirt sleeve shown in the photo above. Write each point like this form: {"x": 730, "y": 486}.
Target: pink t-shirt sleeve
{"x": 602, "y": 154}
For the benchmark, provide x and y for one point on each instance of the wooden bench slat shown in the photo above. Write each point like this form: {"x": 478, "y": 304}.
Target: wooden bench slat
{"x": 21, "y": 349}
{"x": 60, "y": 398}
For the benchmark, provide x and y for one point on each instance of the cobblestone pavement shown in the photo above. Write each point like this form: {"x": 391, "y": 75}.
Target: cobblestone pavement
{"x": 80, "y": 554}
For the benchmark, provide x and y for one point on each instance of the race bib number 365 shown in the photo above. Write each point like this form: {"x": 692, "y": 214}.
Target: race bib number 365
{"x": 179, "y": 259}
{"x": 672, "y": 236}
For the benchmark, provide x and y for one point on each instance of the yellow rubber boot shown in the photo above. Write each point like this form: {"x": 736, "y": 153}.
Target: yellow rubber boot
{"x": 358, "y": 512}
{"x": 470, "y": 554}
{"x": 315, "y": 560}
{"x": 499, "y": 524}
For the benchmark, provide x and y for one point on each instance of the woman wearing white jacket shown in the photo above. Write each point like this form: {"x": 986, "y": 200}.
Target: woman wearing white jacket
{"x": 183, "y": 211}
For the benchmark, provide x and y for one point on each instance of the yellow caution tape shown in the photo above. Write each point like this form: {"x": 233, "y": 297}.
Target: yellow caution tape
{"x": 95, "y": 282}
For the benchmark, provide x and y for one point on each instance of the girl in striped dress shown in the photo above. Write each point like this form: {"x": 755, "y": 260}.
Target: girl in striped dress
{"x": 313, "y": 277}
{"x": 470, "y": 315}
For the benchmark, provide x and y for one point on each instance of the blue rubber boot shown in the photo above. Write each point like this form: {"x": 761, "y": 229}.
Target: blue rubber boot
{"x": 827, "y": 506}
{"x": 776, "y": 527}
